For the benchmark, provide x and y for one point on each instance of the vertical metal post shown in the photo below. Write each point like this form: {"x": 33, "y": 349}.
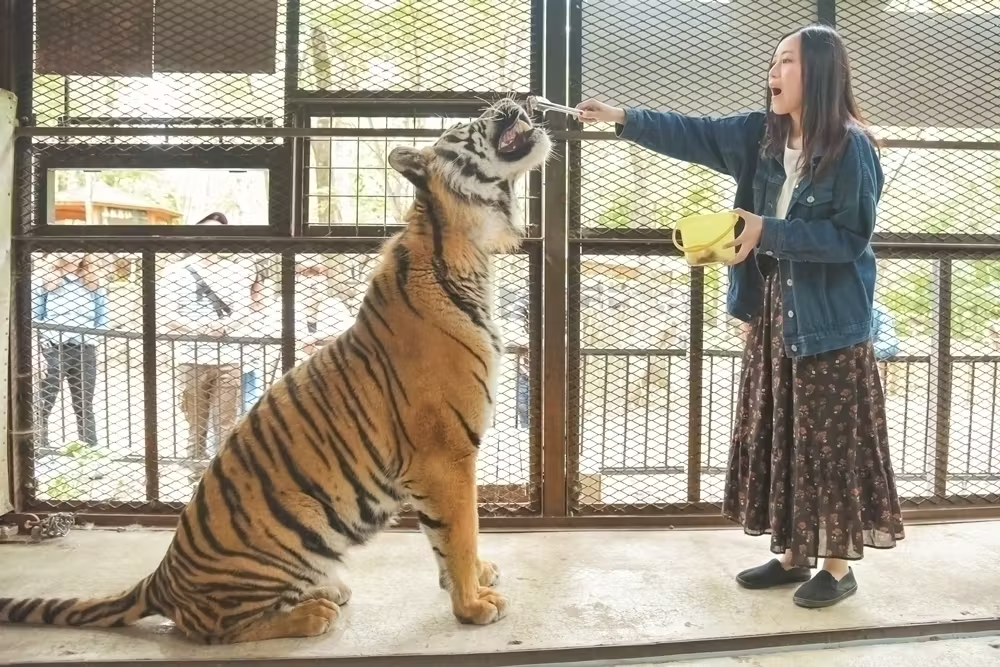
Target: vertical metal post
{"x": 538, "y": 43}
{"x": 293, "y": 118}
{"x": 298, "y": 181}
{"x": 695, "y": 364}
{"x": 18, "y": 18}
{"x": 535, "y": 370}
{"x": 8, "y": 48}
{"x": 944, "y": 380}
{"x": 554, "y": 274}
{"x": 287, "y": 310}
{"x": 152, "y": 456}
{"x": 22, "y": 441}
{"x": 292, "y": 25}
{"x": 826, "y": 12}
{"x": 573, "y": 201}
{"x": 23, "y": 54}
{"x": 533, "y": 226}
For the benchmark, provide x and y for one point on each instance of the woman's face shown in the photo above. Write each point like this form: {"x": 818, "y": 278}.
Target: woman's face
{"x": 785, "y": 77}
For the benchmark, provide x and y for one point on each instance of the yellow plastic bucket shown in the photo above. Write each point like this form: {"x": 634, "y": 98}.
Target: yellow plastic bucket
{"x": 705, "y": 237}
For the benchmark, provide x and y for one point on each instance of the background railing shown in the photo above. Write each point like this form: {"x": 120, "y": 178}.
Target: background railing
{"x": 629, "y": 366}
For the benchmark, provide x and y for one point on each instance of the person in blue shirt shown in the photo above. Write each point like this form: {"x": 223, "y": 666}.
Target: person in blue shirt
{"x": 809, "y": 463}
{"x": 68, "y": 296}
{"x": 884, "y": 338}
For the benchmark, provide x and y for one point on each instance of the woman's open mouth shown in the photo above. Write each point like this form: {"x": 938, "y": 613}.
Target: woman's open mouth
{"x": 775, "y": 91}
{"x": 515, "y": 137}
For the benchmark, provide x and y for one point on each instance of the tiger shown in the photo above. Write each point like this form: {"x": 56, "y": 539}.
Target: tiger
{"x": 391, "y": 413}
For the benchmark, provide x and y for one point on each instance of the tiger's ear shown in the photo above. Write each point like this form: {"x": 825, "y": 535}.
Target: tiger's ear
{"x": 411, "y": 163}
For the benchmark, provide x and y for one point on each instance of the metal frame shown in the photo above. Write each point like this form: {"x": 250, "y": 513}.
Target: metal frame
{"x": 271, "y": 157}
{"x": 658, "y": 242}
{"x": 554, "y": 247}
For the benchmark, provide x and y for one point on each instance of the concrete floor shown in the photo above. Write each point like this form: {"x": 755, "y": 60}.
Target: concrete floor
{"x": 975, "y": 652}
{"x": 566, "y": 589}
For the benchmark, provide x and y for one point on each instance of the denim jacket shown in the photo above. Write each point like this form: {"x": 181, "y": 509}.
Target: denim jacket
{"x": 825, "y": 260}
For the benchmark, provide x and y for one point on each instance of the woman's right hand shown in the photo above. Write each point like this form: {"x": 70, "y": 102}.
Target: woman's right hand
{"x": 593, "y": 111}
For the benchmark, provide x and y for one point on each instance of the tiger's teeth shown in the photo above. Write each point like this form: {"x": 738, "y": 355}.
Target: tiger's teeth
{"x": 522, "y": 126}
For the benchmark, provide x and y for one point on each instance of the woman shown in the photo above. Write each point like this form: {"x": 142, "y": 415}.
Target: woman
{"x": 809, "y": 463}
{"x": 68, "y": 296}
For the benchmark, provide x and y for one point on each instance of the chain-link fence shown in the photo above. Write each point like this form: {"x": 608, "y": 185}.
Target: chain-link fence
{"x": 141, "y": 336}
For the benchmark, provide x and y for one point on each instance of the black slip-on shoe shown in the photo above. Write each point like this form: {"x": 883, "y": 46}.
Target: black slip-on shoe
{"x": 824, "y": 590}
{"x": 771, "y": 575}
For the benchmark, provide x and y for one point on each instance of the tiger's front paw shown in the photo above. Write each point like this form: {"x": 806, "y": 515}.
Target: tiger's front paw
{"x": 488, "y": 607}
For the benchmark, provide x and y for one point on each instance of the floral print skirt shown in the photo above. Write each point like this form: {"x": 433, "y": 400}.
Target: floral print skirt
{"x": 809, "y": 463}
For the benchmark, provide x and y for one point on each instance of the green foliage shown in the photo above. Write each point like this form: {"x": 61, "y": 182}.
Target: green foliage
{"x": 71, "y": 483}
{"x": 618, "y": 215}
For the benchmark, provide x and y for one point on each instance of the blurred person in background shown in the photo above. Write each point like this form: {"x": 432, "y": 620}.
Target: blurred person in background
{"x": 320, "y": 317}
{"x": 207, "y": 295}
{"x": 68, "y": 294}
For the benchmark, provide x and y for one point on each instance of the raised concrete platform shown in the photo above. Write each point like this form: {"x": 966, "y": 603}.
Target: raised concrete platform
{"x": 567, "y": 589}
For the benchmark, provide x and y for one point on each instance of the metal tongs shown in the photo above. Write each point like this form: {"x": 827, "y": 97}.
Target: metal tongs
{"x": 542, "y": 105}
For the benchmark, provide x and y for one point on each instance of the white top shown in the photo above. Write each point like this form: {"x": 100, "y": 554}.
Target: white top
{"x": 792, "y": 157}
{"x": 178, "y": 298}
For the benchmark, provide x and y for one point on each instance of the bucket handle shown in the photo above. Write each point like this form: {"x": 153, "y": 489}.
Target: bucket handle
{"x": 704, "y": 246}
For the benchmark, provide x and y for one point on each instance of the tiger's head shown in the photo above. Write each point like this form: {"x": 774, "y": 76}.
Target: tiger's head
{"x": 478, "y": 162}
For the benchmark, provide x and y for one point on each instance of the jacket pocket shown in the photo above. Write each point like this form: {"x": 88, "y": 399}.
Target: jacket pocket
{"x": 816, "y": 203}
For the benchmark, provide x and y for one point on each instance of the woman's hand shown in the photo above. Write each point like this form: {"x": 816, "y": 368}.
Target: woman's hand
{"x": 753, "y": 226}
{"x": 593, "y": 111}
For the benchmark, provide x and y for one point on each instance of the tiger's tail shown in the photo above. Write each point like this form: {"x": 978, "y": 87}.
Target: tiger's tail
{"x": 108, "y": 612}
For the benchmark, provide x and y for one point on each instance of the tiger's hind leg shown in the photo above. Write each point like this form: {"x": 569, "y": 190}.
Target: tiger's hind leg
{"x": 449, "y": 518}
{"x": 311, "y": 617}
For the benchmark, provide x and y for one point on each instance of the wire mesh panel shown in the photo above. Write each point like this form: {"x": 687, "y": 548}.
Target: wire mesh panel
{"x": 635, "y": 403}
{"x": 507, "y": 473}
{"x": 218, "y": 347}
{"x": 974, "y": 436}
{"x": 905, "y": 334}
{"x": 87, "y": 357}
{"x": 110, "y": 62}
{"x": 933, "y": 310}
{"x": 634, "y": 370}
{"x": 945, "y": 193}
{"x": 148, "y": 116}
{"x": 691, "y": 57}
{"x": 926, "y": 70}
{"x": 625, "y": 187}
{"x": 351, "y": 187}
{"x": 354, "y": 47}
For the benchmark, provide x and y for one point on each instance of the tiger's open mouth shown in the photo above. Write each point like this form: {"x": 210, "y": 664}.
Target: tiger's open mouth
{"x": 515, "y": 137}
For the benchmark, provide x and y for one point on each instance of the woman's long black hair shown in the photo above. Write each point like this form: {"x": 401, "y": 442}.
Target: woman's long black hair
{"x": 829, "y": 109}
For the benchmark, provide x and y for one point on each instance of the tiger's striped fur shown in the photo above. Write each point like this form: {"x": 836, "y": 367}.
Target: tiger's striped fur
{"x": 389, "y": 413}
